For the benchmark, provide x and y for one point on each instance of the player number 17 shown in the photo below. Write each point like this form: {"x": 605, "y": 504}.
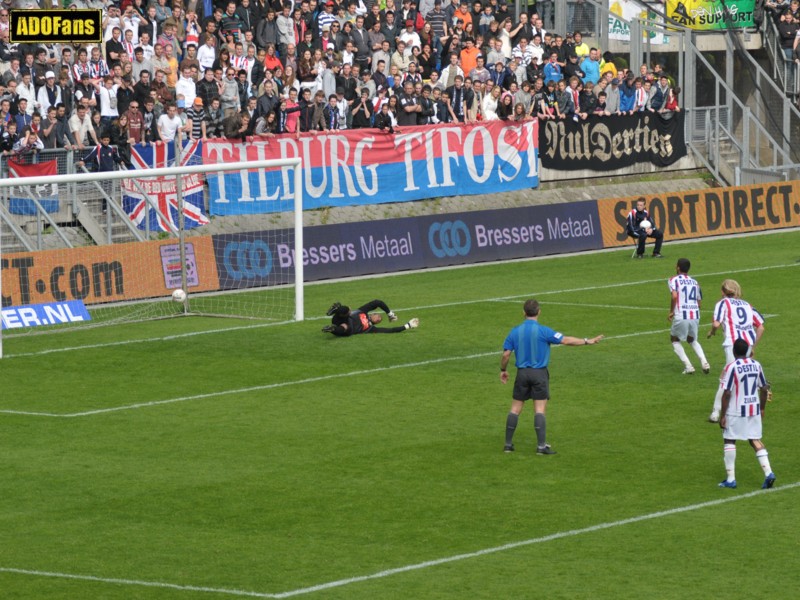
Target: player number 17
{"x": 750, "y": 390}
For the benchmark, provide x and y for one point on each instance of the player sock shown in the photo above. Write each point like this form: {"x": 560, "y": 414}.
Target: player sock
{"x": 511, "y": 426}
{"x": 678, "y": 348}
{"x": 540, "y": 424}
{"x": 698, "y": 349}
{"x": 763, "y": 459}
{"x": 730, "y": 461}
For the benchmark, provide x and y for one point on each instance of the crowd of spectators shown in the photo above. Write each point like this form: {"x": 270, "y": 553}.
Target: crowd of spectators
{"x": 786, "y": 15}
{"x": 236, "y": 69}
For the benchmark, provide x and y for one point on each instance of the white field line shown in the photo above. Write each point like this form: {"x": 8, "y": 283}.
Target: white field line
{"x": 411, "y": 309}
{"x": 413, "y": 567}
{"x": 256, "y": 388}
{"x": 583, "y": 305}
{"x": 135, "y": 582}
{"x": 593, "y": 288}
{"x": 281, "y": 384}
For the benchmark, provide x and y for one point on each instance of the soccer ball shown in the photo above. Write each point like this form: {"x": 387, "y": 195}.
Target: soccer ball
{"x": 179, "y": 296}
{"x": 645, "y": 224}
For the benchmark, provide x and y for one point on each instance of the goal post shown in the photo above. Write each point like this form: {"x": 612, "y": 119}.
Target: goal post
{"x": 249, "y": 266}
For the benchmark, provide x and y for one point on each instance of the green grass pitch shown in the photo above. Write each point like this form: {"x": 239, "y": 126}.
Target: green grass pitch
{"x": 280, "y": 462}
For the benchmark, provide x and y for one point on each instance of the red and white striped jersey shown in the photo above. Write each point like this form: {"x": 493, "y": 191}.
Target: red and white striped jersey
{"x": 239, "y": 62}
{"x": 687, "y": 306}
{"x": 739, "y": 320}
{"x": 743, "y": 378}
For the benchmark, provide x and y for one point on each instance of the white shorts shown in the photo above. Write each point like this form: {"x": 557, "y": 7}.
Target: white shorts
{"x": 742, "y": 428}
{"x": 684, "y": 328}
{"x": 729, "y": 353}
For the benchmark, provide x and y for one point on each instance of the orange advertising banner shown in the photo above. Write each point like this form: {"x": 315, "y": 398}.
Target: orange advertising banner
{"x": 707, "y": 212}
{"x": 98, "y": 274}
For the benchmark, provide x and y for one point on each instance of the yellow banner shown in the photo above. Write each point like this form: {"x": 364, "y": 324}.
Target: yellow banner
{"x": 702, "y": 213}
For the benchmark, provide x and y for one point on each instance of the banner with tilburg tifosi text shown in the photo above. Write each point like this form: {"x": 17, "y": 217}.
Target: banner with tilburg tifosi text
{"x": 356, "y": 167}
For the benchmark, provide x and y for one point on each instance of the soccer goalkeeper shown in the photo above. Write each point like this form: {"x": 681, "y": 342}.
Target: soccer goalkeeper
{"x": 346, "y": 322}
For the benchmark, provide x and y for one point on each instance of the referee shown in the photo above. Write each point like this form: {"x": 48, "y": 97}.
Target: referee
{"x": 530, "y": 342}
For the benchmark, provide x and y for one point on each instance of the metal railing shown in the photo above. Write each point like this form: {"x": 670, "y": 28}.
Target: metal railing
{"x": 761, "y": 176}
{"x": 78, "y": 202}
{"x": 739, "y": 117}
{"x": 784, "y": 70}
{"x": 768, "y": 101}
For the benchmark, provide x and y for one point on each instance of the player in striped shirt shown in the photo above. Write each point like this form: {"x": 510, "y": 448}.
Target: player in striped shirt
{"x": 738, "y": 320}
{"x": 745, "y": 394}
{"x": 684, "y": 312}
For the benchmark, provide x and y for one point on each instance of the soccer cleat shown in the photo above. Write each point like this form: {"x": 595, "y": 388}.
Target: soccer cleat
{"x": 334, "y": 307}
{"x": 729, "y": 484}
{"x": 329, "y": 329}
{"x": 508, "y": 448}
{"x": 412, "y": 324}
{"x": 713, "y": 417}
{"x": 706, "y": 368}
{"x": 688, "y": 371}
{"x": 392, "y": 316}
{"x": 546, "y": 450}
{"x": 639, "y": 256}
{"x": 769, "y": 481}
{"x": 657, "y": 255}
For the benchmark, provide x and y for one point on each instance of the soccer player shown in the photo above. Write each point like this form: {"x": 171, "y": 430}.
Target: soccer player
{"x": 684, "y": 312}
{"x": 346, "y": 322}
{"x": 530, "y": 342}
{"x": 738, "y": 320}
{"x": 640, "y": 234}
{"x": 745, "y": 395}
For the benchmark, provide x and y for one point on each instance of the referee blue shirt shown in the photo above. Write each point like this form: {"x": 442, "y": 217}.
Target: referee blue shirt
{"x": 530, "y": 342}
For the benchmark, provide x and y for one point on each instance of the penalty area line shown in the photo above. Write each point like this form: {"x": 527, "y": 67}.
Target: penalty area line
{"x": 255, "y": 388}
{"x": 584, "y": 305}
{"x": 271, "y": 386}
{"x": 407, "y": 568}
{"x": 282, "y": 384}
{"x": 135, "y": 582}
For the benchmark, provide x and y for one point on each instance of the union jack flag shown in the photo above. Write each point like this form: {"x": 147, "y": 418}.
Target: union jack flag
{"x": 161, "y": 190}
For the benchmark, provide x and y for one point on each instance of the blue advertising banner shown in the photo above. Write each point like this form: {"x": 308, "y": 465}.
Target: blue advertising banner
{"x": 51, "y": 313}
{"x": 350, "y": 249}
{"x": 369, "y": 166}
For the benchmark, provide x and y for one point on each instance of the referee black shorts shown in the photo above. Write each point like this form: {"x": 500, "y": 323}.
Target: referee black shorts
{"x": 532, "y": 384}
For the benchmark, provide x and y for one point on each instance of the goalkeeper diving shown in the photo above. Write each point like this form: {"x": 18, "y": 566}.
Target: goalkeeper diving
{"x": 346, "y": 322}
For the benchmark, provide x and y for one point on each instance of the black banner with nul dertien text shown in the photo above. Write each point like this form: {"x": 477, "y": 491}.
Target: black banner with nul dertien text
{"x": 612, "y": 142}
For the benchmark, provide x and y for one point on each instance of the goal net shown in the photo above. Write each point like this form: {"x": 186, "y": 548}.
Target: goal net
{"x": 113, "y": 247}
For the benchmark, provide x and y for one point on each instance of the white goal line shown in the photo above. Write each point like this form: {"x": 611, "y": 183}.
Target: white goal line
{"x": 407, "y": 568}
